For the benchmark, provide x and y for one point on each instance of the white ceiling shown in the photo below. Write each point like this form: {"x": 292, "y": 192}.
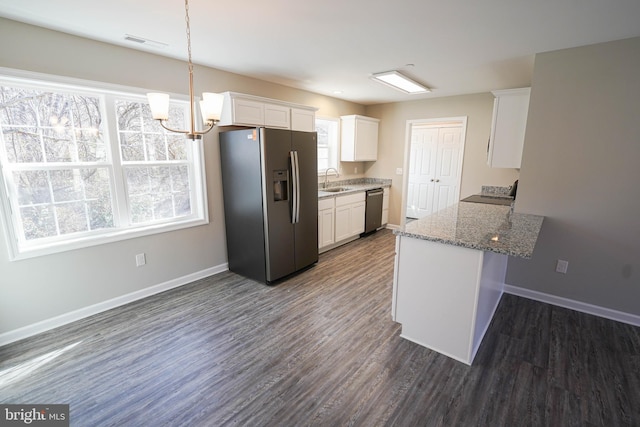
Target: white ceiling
{"x": 455, "y": 46}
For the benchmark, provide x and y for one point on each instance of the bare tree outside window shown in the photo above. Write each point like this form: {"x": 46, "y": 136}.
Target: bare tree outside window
{"x": 53, "y": 143}
{"x": 155, "y": 163}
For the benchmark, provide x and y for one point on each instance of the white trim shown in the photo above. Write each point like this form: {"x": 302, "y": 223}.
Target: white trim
{"x": 337, "y": 244}
{"x": 72, "y": 316}
{"x": 461, "y": 121}
{"x": 582, "y": 307}
{"x": 100, "y": 238}
{"x": 74, "y": 83}
{"x": 336, "y": 166}
{"x": 437, "y": 350}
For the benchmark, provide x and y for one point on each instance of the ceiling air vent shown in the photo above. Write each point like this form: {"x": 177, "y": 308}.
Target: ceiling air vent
{"x": 142, "y": 40}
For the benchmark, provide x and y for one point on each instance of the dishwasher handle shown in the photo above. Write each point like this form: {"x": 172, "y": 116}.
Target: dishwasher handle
{"x": 376, "y": 192}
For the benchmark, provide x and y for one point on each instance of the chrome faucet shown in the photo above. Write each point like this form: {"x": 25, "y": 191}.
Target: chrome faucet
{"x": 326, "y": 176}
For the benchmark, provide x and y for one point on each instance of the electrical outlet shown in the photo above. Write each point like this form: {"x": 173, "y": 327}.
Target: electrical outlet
{"x": 355, "y": 169}
{"x": 398, "y": 171}
{"x": 562, "y": 266}
{"x": 140, "y": 260}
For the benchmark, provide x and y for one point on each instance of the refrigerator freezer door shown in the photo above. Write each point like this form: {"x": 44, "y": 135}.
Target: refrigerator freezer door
{"x": 243, "y": 208}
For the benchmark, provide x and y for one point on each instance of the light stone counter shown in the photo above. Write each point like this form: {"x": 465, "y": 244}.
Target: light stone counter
{"x": 352, "y": 186}
{"x": 479, "y": 226}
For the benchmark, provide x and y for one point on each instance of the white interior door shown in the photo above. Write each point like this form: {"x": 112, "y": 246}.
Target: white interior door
{"x": 435, "y": 167}
{"x": 448, "y": 165}
{"x": 422, "y": 169}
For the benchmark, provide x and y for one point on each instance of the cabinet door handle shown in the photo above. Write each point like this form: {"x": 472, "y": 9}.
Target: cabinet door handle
{"x": 436, "y": 180}
{"x": 432, "y": 180}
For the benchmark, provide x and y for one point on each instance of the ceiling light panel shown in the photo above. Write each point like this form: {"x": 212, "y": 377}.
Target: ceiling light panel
{"x": 142, "y": 40}
{"x": 400, "y": 82}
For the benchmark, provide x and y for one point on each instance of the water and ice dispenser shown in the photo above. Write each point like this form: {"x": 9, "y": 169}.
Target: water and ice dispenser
{"x": 280, "y": 185}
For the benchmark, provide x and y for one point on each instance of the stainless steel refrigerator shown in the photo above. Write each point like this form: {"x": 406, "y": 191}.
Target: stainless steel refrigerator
{"x": 270, "y": 190}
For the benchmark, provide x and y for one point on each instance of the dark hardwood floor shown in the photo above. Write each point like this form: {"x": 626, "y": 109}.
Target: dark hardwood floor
{"x": 321, "y": 349}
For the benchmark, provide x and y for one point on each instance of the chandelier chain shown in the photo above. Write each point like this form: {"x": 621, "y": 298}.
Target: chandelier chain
{"x": 187, "y": 20}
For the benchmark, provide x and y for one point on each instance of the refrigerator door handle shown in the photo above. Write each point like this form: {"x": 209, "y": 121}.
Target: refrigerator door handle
{"x": 295, "y": 178}
{"x": 295, "y": 153}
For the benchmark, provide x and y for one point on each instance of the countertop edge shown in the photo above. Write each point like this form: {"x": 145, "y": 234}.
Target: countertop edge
{"x": 484, "y": 248}
{"x": 530, "y": 226}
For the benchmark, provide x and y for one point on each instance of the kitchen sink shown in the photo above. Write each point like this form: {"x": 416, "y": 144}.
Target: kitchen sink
{"x": 335, "y": 189}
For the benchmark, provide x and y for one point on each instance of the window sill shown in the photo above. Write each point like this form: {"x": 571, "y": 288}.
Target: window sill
{"x": 17, "y": 254}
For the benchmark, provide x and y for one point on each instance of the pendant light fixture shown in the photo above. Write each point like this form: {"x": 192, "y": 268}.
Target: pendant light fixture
{"x": 210, "y": 106}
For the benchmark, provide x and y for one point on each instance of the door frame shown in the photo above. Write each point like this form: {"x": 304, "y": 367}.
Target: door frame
{"x": 458, "y": 121}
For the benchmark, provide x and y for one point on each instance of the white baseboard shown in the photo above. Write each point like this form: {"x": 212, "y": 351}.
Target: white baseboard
{"x": 392, "y": 227}
{"x": 63, "y": 319}
{"x": 583, "y": 307}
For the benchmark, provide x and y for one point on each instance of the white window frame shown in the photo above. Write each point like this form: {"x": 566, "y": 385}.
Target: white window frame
{"x": 108, "y": 94}
{"x": 336, "y": 163}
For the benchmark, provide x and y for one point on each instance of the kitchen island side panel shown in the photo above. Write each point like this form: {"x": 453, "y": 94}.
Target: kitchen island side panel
{"x": 437, "y": 295}
{"x": 494, "y": 269}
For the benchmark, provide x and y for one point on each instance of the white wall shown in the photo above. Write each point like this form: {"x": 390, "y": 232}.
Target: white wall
{"x": 38, "y": 289}
{"x": 392, "y": 137}
{"x": 581, "y": 170}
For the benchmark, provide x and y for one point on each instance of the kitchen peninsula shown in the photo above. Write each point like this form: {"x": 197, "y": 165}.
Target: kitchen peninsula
{"x": 450, "y": 270}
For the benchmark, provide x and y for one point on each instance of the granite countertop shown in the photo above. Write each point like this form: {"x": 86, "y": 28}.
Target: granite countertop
{"x": 352, "y": 186}
{"x": 479, "y": 226}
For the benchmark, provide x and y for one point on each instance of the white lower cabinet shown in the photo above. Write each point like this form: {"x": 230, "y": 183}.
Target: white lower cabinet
{"x": 340, "y": 219}
{"x": 342, "y": 222}
{"x": 326, "y": 223}
{"x": 357, "y": 218}
{"x": 349, "y": 215}
{"x": 385, "y": 206}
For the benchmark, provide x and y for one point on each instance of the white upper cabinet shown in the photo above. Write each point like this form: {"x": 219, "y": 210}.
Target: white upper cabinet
{"x": 242, "y": 112}
{"x": 510, "y": 109}
{"x": 239, "y": 109}
{"x": 277, "y": 116}
{"x": 359, "y": 139}
{"x": 303, "y": 119}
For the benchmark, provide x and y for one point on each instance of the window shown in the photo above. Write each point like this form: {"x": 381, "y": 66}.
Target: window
{"x": 155, "y": 164}
{"x": 327, "y": 129}
{"x": 82, "y": 166}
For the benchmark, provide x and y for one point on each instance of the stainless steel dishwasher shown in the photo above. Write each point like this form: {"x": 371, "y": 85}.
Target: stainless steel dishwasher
{"x": 373, "y": 210}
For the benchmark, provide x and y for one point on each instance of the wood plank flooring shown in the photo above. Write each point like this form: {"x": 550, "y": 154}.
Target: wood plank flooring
{"x": 320, "y": 349}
